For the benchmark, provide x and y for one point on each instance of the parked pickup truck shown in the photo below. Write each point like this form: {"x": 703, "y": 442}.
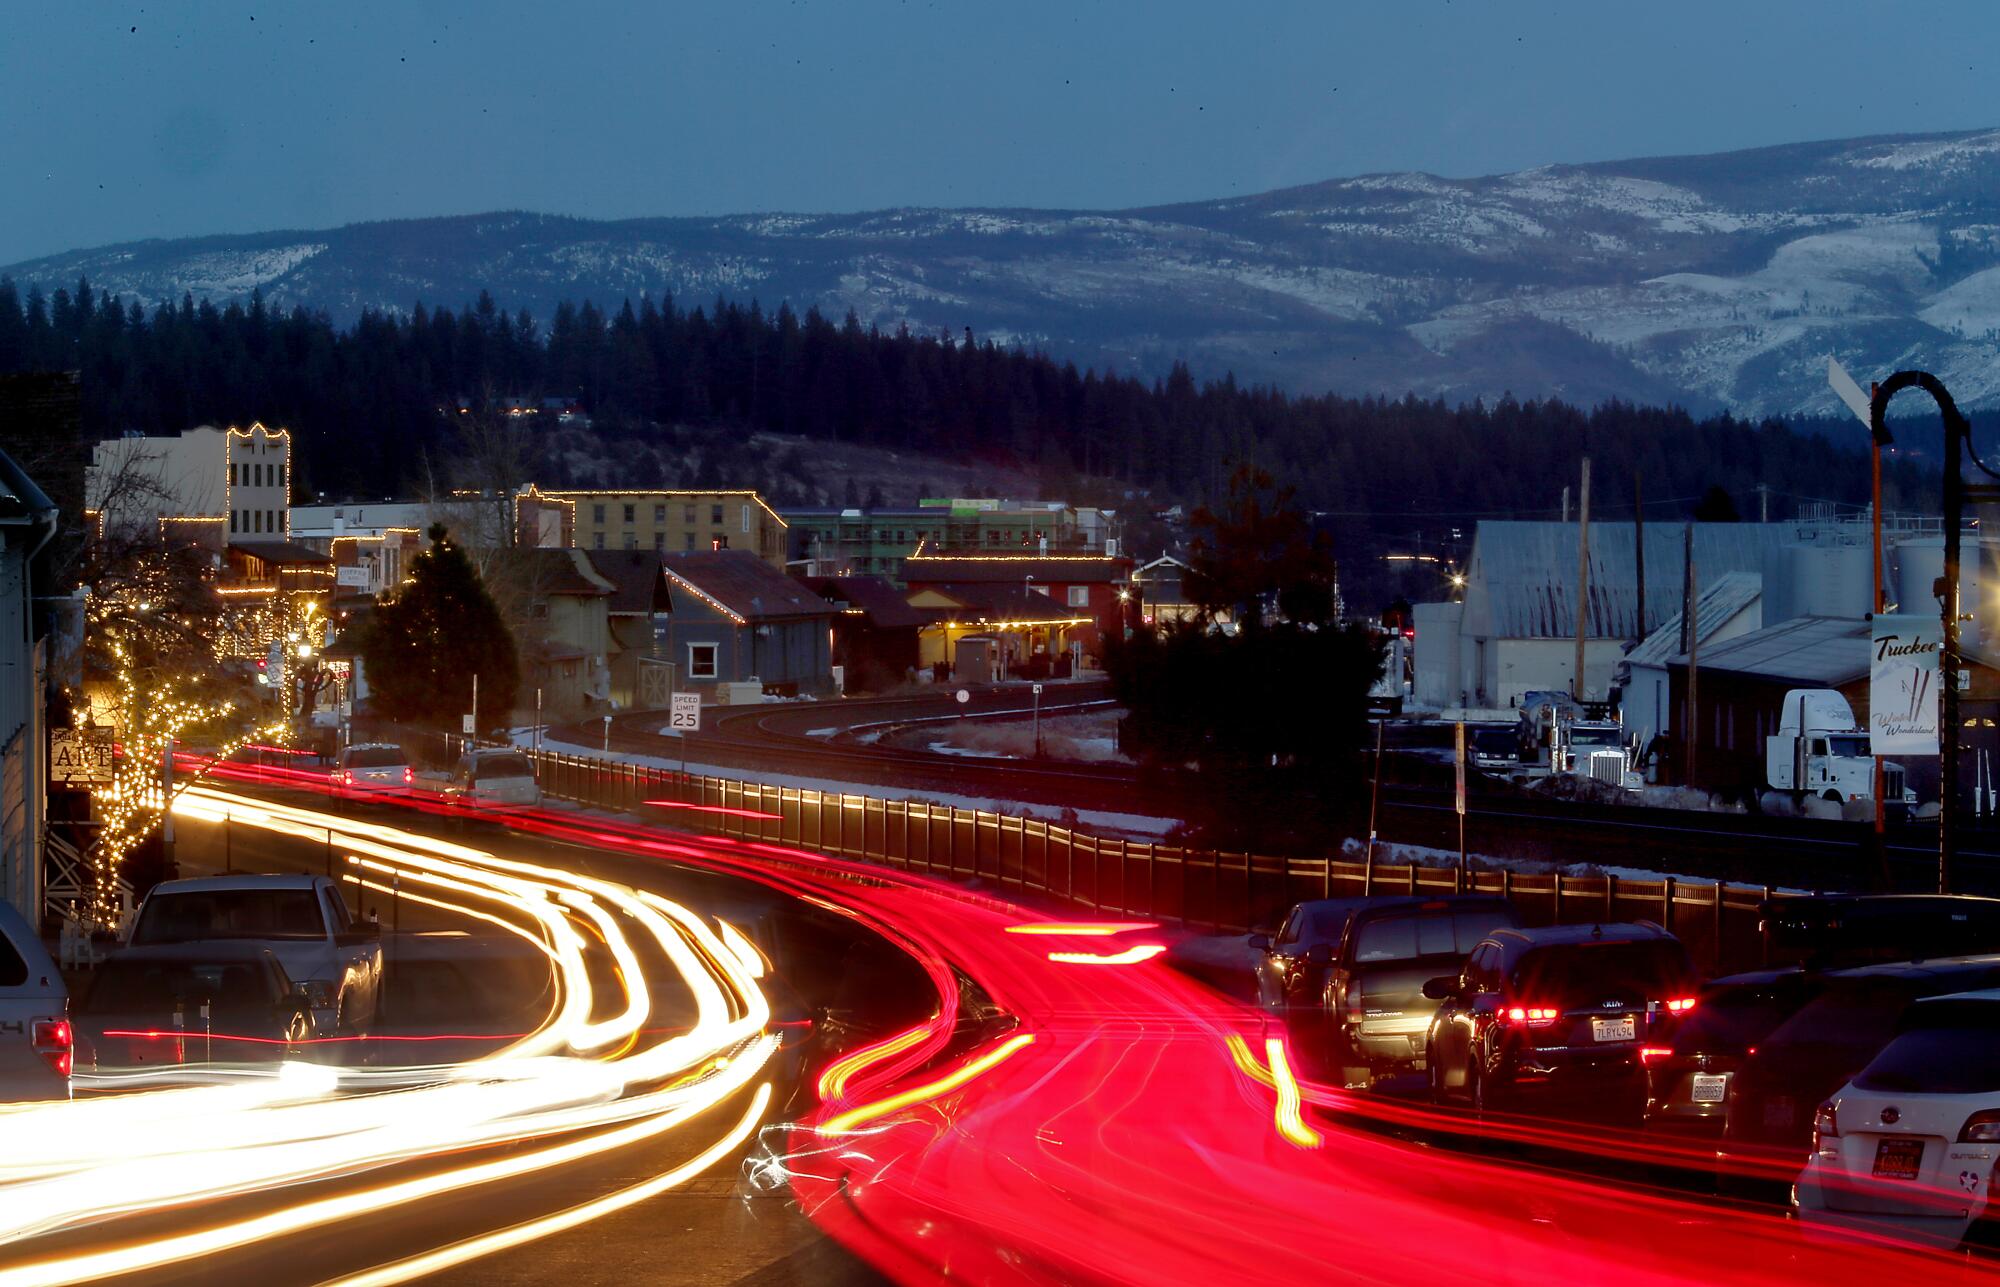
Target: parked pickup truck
{"x": 301, "y": 919}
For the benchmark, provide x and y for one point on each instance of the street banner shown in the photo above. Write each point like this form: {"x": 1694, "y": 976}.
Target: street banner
{"x": 1903, "y": 685}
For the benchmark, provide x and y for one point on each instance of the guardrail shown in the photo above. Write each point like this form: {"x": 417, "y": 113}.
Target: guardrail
{"x": 1203, "y": 889}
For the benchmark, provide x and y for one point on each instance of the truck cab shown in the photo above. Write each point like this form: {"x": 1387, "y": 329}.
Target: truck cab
{"x": 1820, "y": 750}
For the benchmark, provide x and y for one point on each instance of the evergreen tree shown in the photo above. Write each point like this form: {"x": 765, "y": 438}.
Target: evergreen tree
{"x": 422, "y": 648}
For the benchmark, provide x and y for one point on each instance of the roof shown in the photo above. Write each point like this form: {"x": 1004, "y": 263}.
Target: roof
{"x": 1714, "y": 608}
{"x": 555, "y": 571}
{"x": 18, "y": 493}
{"x": 1056, "y": 569}
{"x": 281, "y": 552}
{"x": 1806, "y": 652}
{"x": 637, "y": 584}
{"x": 882, "y": 603}
{"x": 1521, "y": 578}
{"x": 742, "y": 585}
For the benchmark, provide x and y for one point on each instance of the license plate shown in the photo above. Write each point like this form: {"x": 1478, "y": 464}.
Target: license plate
{"x": 1899, "y": 1159}
{"x": 1709, "y": 1088}
{"x": 1778, "y": 1115}
{"x": 1613, "y": 1029}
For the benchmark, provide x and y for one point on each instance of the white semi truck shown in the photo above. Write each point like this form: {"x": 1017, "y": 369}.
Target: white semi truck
{"x": 1819, "y": 750}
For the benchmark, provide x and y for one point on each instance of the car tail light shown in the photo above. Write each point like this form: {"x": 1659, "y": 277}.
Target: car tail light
{"x": 1653, "y": 1054}
{"x": 1535, "y": 1016}
{"x": 1981, "y": 1128}
{"x": 1826, "y": 1125}
{"x": 1355, "y": 1010}
{"x": 55, "y": 1041}
{"x": 409, "y": 775}
{"x": 1680, "y": 1005}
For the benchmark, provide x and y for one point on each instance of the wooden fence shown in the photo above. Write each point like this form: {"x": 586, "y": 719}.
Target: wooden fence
{"x": 1199, "y": 888}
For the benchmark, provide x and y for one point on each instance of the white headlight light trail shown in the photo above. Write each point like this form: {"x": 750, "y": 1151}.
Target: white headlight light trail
{"x": 603, "y": 1084}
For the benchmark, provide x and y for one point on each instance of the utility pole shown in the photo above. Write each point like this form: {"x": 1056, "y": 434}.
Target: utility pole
{"x": 1763, "y": 502}
{"x": 1582, "y": 578}
{"x": 1639, "y": 547}
{"x": 1692, "y": 635}
{"x": 1565, "y": 502}
{"x": 1877, "y": 439}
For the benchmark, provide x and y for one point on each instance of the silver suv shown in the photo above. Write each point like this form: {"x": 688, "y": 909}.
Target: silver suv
{"x": 37, "y": 1044}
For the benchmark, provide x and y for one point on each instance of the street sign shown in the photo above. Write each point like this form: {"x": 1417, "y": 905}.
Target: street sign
{"x": 79, "y": 758}
{"x": 684, "y": 713}
{"x": 1459, "y": 757}
{"x": 1847, "y": 390}
{"x": 465, "y": 724}
{"x": 354, "y": 576}
{"x": 1038, "y": 690}
{"x": 964, "y": 696}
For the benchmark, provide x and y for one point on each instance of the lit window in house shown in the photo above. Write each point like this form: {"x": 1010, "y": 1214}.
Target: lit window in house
{"x": 701, "y": 660}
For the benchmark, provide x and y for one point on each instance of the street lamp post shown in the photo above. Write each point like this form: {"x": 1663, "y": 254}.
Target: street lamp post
{"x": 1957, "y": 441}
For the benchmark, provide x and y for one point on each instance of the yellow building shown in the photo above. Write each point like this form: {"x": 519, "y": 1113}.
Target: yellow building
{"x": 667, "y": 522}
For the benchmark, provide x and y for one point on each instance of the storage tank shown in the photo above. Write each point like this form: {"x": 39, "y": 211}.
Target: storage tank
{"x": 1917, "y": 562}
{"x": 1804, "y": 579}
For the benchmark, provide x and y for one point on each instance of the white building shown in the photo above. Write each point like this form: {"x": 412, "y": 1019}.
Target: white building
{"x": 27, "y": 524}
{"x": 1730, "y": 607}
{"x": 208, "y": 484}
{"x": 1515, "y": 631}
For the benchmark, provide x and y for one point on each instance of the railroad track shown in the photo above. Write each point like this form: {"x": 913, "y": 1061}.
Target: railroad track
{"x": 818, "y": 741}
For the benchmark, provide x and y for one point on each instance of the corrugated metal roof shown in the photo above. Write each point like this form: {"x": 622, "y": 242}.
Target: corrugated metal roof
{"x": 1731, "y": 594}
{"x": 1811, "y": 652}
{"x": 1521, "y": 579}
{"x": 744, "y": 585}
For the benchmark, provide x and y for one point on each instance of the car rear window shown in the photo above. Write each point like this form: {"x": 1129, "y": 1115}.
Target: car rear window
{"x": 1852, "y": 1017}
{"x": 13, "y": 969}
{"x": 495, "y": 767}
{"x": 1728, "y": 1021}
{"x": 1444, "y": 933}
{"x": 376, "y": 757}
{"x": 1577, "y": 973}
{"x": 229, "y": 913}
{"x": 1949, "y": 1048}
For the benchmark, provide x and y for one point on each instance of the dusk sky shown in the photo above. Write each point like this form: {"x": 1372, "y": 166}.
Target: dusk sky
{"x": 130, "y": 121}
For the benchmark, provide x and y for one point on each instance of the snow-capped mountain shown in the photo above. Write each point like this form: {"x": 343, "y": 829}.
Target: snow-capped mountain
{"x": 1719, "y": 280}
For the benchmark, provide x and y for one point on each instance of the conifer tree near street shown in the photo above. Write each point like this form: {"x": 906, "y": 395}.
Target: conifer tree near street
{"x": 423, "y": 647}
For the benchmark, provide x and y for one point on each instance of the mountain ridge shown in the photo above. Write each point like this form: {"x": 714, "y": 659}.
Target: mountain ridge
{"x": 1710, "y": 280}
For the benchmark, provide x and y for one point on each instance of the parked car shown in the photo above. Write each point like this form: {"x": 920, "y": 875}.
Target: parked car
{"x": 1814, "y": 1052}
{"x": 1555, "y": 1017}
{"x": 493, "y": 776}
{"x": 209, "y": 1002}
{"x": 1291, "y": 972}
{"x": 1689, "y": 1070}
{"x": 1909, "y": 1146}
{"x": 372, "y": 768}
{"x": 37, "y": 1042}
{"x": 1376, "y": 1012}
{"x": 301, "y": 919}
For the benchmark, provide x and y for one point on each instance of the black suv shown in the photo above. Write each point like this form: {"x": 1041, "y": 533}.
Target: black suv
{"x": 1556, "y": 1016}
{"x": 1374, "y": 1013}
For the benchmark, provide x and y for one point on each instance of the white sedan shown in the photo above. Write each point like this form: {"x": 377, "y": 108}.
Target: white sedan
{"x": 1909, "y": 1147}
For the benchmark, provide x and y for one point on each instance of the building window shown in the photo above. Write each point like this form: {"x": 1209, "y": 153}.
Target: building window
{"x": 631, "y": 513}
{"x": 597, "y": 541}
{"x": 659, "y": 542}
{"x": 597, "y": 514}
{"x": 631, "y": 540}
{"x": 715, "y": 515}
{"x": 659, "y": 513}
{"x": 687, "y": 515}
{"x": 539, "y": 609}
{"x": 720, "y": 543}
{"x": 1079, "y": 596}
{"x": 701, "y": 660}
{"x": 232, "y": 520}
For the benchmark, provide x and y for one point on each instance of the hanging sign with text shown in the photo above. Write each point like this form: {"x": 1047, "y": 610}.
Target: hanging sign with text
{"x": 1903, "y": 685}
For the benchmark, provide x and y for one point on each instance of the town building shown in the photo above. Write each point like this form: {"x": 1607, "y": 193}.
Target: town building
{"x": 558, "y": 607}
{"x": 662, "y": 521}
{"x": 1158, "y": 588}
{"x": 733, "y": 619}
{"x": 472, "y": 520}
{"x": 207, "y": 485}
{"x": 1077, "y": 599}
{"x": 28, "y": 523}
{"x": 1732, "y": 605}
{"x": 877, "y": 643}
{"x": 642, "y": 674}
{"x": 875, "y": 541}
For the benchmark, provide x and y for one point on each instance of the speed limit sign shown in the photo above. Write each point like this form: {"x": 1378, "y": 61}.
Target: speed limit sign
{"x": 684, "y": 713}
